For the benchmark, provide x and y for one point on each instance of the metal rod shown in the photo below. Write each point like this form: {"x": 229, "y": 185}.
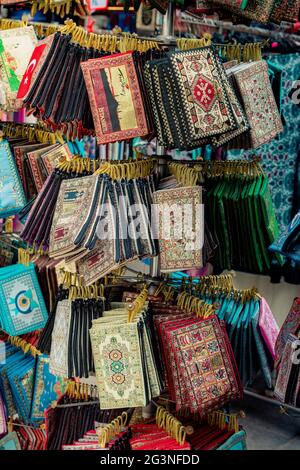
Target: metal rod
{"x": 272, "y": 401}
{"x": 81, "y": 403}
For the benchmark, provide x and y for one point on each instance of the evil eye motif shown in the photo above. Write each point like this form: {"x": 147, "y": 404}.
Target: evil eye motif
{"x": 23, "y": 302}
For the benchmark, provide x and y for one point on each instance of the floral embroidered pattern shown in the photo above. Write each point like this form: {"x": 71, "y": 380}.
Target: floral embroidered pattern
{"x": 291, "y": 325}
{"x": 184, "y": 252}
{"x": 118, "y": 365}
{"x": 59, "y": 344}
{"x": 285, "y": 369}
{"x": 279, "y": 157}
{"x": 202, "y": 373}
{"x": 268, "y": 326}
{"x": 259, "y": 103}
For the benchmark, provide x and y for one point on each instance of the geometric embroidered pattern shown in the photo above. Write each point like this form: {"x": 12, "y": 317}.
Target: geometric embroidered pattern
{"x": 204, "y": 92}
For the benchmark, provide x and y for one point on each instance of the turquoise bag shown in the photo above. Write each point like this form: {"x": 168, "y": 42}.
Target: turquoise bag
{"x": 22, "y": 306}
{"x": 12, "y": 196}
{"x": 10, "y": 442}
{"x": 235, "y": 442}
{"x": 47, "y": 388}
{"x": 21, "y": 382}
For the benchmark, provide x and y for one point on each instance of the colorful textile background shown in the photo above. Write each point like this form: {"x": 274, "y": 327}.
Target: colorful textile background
{"x": 279, "y": 157}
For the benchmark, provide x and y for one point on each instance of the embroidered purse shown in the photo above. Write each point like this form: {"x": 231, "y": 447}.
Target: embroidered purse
{"x": 257, "y": 10}
{"x": 286, "y": 10}
{"x": 291, "y": 325}
{"x": 20, "y": 378}
{"x": 115, "y": 98}
{"x": 252, "y": 81}
{"x": 12, "y": 197}
{"x": 47, "y": 388}
{"x": 10, "y": 442}
{"x": 287, "y": 383}
{"x": 22, "y": 307}
{"x": 118, "y": 363}
{"x": 70, "y": 218}
{"x": 175, "y": 251}
{"x": 126, "y": 371}
{"x": 189, "y": 98}
{"x": 16, "y": 47}
{"x": 268, "y": 326}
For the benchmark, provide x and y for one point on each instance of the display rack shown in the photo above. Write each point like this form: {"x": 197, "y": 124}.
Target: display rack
{"x": 271, "y": 401}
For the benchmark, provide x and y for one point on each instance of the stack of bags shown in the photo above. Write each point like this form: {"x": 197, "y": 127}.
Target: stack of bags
{"x": 262, "y": 11}
{"x": 197, "y": 101}
{"x": 66, "y": 335}
{"x": 101, "y": 223}
{"x": 200, "y": 368}
{"x": 126, "y": 368}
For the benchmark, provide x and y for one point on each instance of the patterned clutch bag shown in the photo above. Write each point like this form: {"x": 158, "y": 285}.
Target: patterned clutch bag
{"x": 20, "y": 379}
{"x": 181, "y": 237}
{"x": 102, "y": 258}
{"x": 16, "y": 47}
{"x": 12, "y": 197}
{"x": 52, "y": 158}
{"x": 189, "y": 95}
{"x": 22, "y": 307}
{"x": 288, "y": 380}
{"x": 34, "y": 160}
{"x": 10, "y": 442}
{"x": 202, "y": 368}
{"x": 252, "y": 81}
{"x": 126, "y": 370}
{"x": 115, "y": 98}
{"x": 34, "y": 67}
{"x": 238, "y": 112}
{"x": 47, "y": 388}
{"x": 25, "y": 171}
{"x": 286, "y": 10}
{"x": 95, "y": 223}
{"x": 73, "y": 209}
{"x": 12, "y": 356}
{"x": 291, "y": 325}
{"x": 118, "y": 363}
{"x": 59, "y": 343}
{"x": 268, "y": 326}
{"x": 258, "y": 10}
